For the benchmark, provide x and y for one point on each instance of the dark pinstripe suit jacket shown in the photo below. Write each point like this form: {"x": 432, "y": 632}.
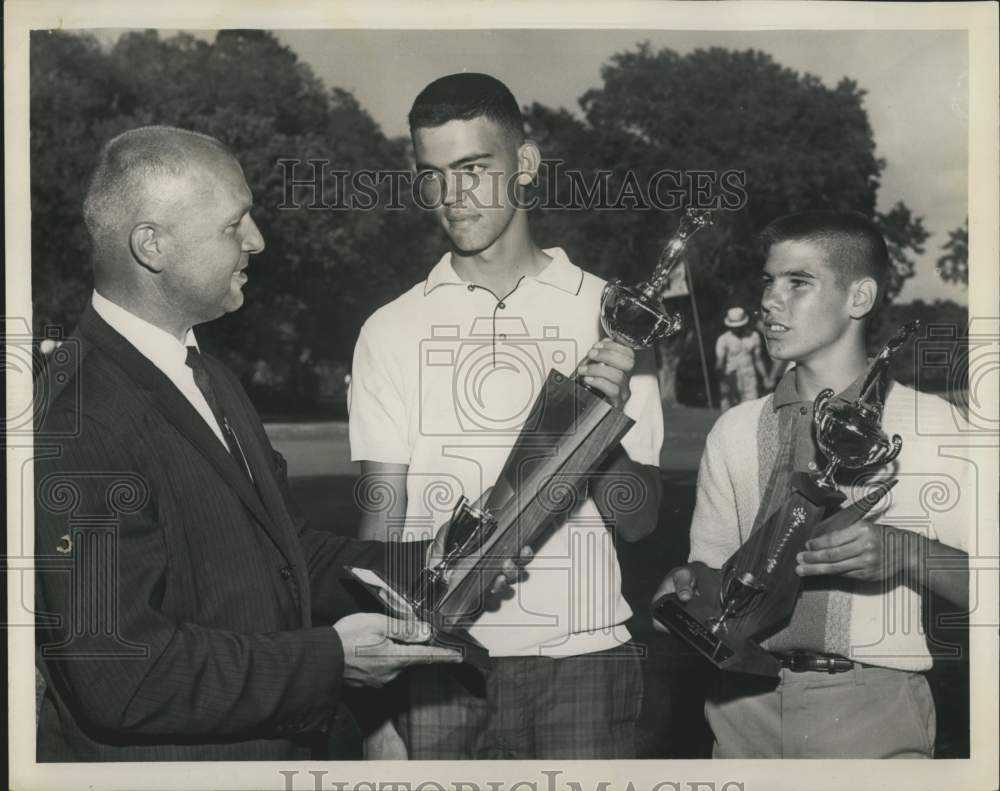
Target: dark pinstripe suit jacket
{"x": 176, "y": 602}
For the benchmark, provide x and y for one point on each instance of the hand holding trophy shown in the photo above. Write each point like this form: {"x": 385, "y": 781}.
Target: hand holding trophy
{"x": 569, "y": 430}
{"x": 755, "y": 591}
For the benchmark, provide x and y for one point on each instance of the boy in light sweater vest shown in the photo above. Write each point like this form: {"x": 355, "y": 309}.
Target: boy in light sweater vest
{"x": 857, "y": 688}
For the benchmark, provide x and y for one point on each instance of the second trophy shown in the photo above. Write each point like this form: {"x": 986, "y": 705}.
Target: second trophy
{"x": 754, "y": 593}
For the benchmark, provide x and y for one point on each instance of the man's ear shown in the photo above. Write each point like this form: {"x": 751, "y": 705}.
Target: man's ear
{"x": 864, "y": 294}
{"x": 147, "y": 246}
{"x": 529, "y": 158}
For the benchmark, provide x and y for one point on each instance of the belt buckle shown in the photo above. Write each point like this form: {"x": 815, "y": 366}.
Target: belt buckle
{"x": 798, "y": 662}
{"x": 846, "y": 664}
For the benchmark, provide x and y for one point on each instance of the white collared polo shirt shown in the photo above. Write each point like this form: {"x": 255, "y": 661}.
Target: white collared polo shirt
{"x": 443, "y": 379}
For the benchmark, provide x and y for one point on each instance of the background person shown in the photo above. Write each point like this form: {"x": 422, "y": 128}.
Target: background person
{"x": 738, "y": 360}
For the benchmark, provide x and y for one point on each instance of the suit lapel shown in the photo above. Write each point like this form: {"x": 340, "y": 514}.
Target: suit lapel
{"x": 178, "y": 410}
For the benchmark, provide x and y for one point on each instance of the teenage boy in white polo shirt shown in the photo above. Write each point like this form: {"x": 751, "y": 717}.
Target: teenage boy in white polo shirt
{"x": 853, "y": 653}
{"x": 441, "y": 383}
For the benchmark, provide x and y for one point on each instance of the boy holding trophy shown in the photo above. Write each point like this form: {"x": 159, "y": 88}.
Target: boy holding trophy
{"x": 443, "y": 378}
{"x": 850, "y": 658}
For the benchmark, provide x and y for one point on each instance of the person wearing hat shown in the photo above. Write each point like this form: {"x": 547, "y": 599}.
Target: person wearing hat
{"x": 738, "y": 360}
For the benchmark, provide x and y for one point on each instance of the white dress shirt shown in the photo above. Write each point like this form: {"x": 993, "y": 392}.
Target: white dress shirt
{"x": 163, "y": 350}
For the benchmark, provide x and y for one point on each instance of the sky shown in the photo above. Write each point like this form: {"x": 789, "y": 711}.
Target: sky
{"x": 917, "y": 98}
{"x": 916, "y": 84}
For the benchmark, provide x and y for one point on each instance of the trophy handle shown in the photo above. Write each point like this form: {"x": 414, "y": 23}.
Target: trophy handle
{"x": 825, "y": 479}
{"x": 606, "y": 293}
{"x": 671, "y": 326}
{"x": 607, "y": 288}
{"x": 819, "y": 405}
{"x": 886, "y": 453}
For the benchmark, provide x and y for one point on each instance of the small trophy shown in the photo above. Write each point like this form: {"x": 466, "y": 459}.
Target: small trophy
{"x": 568, "y": 432}
{"x": 755, "y": 592}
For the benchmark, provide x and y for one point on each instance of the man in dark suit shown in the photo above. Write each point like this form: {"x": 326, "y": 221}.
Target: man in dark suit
{"x": 181, "y": 600}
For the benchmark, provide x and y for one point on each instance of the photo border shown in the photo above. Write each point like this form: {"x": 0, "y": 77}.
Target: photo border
{"x": 978, "y": 19}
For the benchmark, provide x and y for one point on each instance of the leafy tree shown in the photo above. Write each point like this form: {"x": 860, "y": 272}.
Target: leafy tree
{"x": 791, "y": 142}
{"x": 73, "y": 91}
{"x": 953, "y": 266}
{"x": 903, "y": 234}
{"x": 797, "y": 143}
{"x": 323, "y": 270}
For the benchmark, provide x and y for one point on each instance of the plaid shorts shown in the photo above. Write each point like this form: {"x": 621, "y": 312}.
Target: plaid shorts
{"x": 577, "y": 707}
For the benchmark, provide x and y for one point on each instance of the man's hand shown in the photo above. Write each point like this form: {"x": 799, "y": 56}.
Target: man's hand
{"x": 862, "y": 551}
{"x": 608, "y": 368}
{"x": 377, "y": 648}
{"x": 680, "y": 580}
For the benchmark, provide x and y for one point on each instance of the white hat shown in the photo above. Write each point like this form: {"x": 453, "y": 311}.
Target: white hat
{"x": 736, "y": 317}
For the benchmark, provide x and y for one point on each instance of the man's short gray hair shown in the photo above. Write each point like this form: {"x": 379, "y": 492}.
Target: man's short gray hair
{"x": 129, "y": 163}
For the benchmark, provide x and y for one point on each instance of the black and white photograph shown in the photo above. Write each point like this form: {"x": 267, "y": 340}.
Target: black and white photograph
{"x": 471, "y": 396}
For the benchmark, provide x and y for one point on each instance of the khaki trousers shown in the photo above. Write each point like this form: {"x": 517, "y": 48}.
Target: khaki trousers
{"x": 868, "y": 712}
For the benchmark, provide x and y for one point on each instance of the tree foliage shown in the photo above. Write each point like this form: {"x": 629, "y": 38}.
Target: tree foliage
{"x": 903, "y": 234}
{"x": 800, "y": 144}
{"x": 953, "y": 266}
{"x": 795, "y": 142}
{"x": 323, "y": 271}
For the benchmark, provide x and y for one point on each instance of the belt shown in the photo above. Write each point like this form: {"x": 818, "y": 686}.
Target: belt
{"x": 805, "y": 661}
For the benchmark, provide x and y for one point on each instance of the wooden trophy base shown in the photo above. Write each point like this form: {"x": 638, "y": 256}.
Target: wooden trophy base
{"x": 763, "y": 572}
{"x": 694, "y": 621}
{"x": 568, "y": 432}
